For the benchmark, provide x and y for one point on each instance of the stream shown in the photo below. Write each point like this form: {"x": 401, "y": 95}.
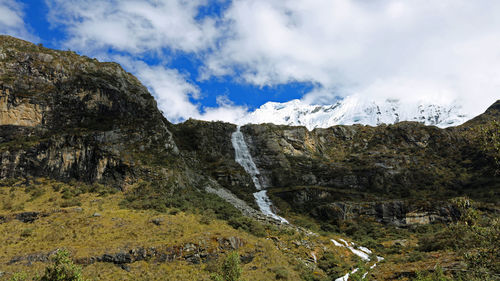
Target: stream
{"x": 243, "y": 157}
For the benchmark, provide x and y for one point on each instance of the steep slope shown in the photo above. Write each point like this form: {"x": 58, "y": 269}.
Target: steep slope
{"x": 354, "y": 110}
{"x": 89, "y": 164}
{"x": 74, "y": 130}
{"x": 67, "y": 116}
{"x": 400, "y": 189}
{"x": 310, "y": 168}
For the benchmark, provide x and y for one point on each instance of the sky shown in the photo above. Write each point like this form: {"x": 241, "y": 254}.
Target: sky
{"x": 220, "y": 59}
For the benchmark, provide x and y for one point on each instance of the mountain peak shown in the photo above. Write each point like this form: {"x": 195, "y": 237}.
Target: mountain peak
{"x": 355, "y": 110}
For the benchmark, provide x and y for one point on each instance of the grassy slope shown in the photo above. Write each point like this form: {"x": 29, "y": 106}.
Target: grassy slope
{"x": 118, "y": 229}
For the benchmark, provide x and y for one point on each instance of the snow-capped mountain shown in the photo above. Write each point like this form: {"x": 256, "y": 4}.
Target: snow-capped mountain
{"x": 354, "y": 110}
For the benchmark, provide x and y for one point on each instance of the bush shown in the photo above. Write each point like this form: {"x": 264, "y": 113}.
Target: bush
{"x": 27, "y": 232}
{"x": 35, "y": 192}
{"x": 331, "y": 265}
{"x": 63, "y": 269}
{"x": 248, "y": 225}
{"x": 437, "y": 275}
{"x": 19, "y": 276}
{"x": 70, "y": 203}
{"x": 207, "y": 217}
{"x": 416, "y": 256}
{"x": 230, "y": 270}
{"x": 281, "y": 273}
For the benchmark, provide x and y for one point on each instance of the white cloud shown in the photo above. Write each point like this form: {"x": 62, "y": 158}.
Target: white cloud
{"x": 173, "y": 92}
{"x": 137, "y": 27}
{"x": 225, "y": 111}
{"x": 170, "y": 88}
{"x": 442, "y": 50}
{"x": 133, "y": 26}
{"x": 12, "y": 20}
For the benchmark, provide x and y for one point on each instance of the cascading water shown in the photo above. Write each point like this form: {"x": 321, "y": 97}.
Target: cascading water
{"x": 243, "y": 157}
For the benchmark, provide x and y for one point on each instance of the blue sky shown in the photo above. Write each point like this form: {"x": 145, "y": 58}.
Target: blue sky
{"x": 220, "y": 59}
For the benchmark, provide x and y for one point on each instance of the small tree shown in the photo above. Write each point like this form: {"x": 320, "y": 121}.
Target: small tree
{"x": 231, "y": 269}
{"x": 63, "y": 269}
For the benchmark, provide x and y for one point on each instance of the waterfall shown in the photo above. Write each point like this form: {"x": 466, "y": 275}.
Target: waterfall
{"x": 243, "y": 157}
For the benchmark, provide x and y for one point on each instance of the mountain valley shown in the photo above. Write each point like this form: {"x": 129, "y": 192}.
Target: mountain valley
{"x": 89, "y": 164}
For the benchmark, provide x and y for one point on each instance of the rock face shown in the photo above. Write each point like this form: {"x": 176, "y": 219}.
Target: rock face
{"x": 18, "y": 111}
{"x": 394, "y": 212}
{"x": 311, "y": 170}
{"x": 67, "y": 116}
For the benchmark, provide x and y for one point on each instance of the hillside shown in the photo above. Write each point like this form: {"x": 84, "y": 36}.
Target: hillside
{"x": 89, "y": 164}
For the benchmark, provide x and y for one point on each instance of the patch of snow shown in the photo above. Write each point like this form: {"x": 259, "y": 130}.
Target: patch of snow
{"x": 364, "y": 256}
{"x": 356, "y": 110}
{"x": 364, "y": 249}
{"x": 343, "y": 278}
{"x": 336, "y": 243}
{"x": 345, "y": 242}
{"x": 314, "y": 257}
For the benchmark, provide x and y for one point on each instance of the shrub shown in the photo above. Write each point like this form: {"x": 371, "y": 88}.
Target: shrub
{"x": 27, "y": 232}
{"x": 19, "y": 276}
{"x": 248, "y": 225}
{"x": 35, "y": 193}
{"x": 437, "y": 275}
{"x": 207, "y": 217}
{"x": 70, "y": 203}
{"x": 416, "y": 256}
{"x": 67, "y": 193}
{"x": 281, "y": 273}
{"x": 63, "y": 269}
{"x": 230, "y": 270}
{"x": 331, "y": 265}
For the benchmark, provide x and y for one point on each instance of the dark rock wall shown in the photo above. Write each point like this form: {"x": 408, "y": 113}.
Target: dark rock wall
{"x": 67, "y": 116}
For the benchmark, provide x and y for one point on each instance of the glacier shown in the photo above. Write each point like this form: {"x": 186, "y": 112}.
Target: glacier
{"x": 356, "y": 110}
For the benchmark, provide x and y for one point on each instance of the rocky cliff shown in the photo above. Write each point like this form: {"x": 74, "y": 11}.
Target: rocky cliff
{"x": 308, "y": 171}
{"x": 67, "y": 116}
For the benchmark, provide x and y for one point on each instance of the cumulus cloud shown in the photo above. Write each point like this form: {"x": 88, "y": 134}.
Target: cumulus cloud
{"x": 174, "y": 93}
{"x": 137, "y": 27}
{"x": 134, "y": 26}
{"x": 439, "y": 50}
{"x": 12, "y": 20}
{"x": 226, "y": 111}
{"x": 170, "y": 88}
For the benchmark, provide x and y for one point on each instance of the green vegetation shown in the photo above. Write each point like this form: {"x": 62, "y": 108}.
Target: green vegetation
{"x": 487, "y": 136}
{"x": 119, "y": 228}
{"x": 332, "y": 265}
{"x": 435, "y": 275}
{"x": 164, "y": 196}
{"x": 63, "y": 269}
{"x": 230, "y": 270}
{"x": 475, "y": 236}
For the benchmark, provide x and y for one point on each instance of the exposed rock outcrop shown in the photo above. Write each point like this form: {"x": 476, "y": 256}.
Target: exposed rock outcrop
{"x": 349, "y": 163}
{"x": 67, "y": 116}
